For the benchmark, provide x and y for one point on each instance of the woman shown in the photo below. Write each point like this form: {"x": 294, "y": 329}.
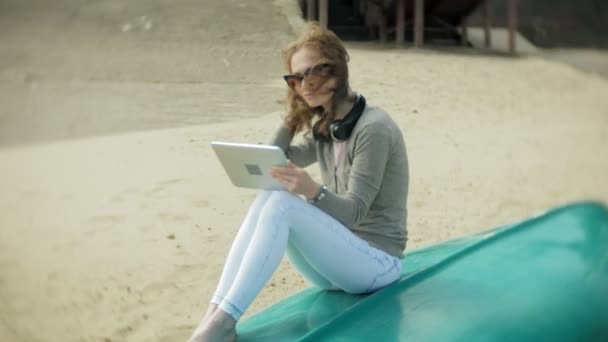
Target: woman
{"x": 348, "y": 233}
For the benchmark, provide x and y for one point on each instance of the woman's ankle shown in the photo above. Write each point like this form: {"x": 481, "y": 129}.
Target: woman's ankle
{"x": 219, "y": 326}
{"x": 210, "y": 311}
{"x": 222, "y": 319}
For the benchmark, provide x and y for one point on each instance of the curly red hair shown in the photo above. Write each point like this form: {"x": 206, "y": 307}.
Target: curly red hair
{"x": 331, "y": 50}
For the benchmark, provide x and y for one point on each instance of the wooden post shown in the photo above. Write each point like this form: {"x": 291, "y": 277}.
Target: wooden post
{"x": 323, "y": 15}
{"x": 464, "y": 34}
{"x": 418, "y": 23}
{"x": 311, "y": 10}
{"x": 400, "y": 22}
{"x": 382, "y": 29}
{"x": 486, "y": 24}
{"x": 512, "y": 13}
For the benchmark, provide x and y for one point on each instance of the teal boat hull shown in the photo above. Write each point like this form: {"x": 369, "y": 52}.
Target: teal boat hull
{"x": 543, "y": 279}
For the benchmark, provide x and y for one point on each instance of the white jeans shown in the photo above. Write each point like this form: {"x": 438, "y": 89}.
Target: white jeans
{"x": 326, "y": 252}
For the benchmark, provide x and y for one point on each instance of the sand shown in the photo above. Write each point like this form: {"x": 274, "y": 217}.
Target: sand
{"x": 115, "y": 227}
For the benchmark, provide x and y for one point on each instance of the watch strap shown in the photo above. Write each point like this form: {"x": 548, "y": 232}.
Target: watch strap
{"x": 320, "y": 195}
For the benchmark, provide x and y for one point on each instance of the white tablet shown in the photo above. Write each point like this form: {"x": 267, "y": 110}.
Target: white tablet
{"x": 248, "y": 165}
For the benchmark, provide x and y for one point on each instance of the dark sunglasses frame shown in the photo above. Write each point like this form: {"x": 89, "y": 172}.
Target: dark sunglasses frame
{"x": 312, "y": 74}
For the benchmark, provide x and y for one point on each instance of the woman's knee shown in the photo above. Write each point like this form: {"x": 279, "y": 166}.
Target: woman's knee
{"x": 276, "y": 211}
{"x": 285, "y": 197}
{"x": 260, "y": 199}
{"x": 280, "y": 202}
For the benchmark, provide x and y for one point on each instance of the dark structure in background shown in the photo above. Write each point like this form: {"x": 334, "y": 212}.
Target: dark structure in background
{"x": 556, "y": 23}
{"x": 363, "y": 19}
{"x": 434, "y": 20}
{"x": 547, "y": 23}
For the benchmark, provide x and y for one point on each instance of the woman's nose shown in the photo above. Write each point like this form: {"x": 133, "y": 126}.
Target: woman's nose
{"x": 307, "y": 84}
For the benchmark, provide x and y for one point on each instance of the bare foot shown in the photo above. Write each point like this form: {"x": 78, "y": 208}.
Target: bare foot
{"x": 220, "y": 327}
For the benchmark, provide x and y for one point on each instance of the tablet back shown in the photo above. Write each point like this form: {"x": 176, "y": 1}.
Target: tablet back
{"x": 248, "y": 165}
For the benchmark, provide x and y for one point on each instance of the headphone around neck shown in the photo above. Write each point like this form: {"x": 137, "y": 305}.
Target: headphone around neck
{"x": 340, "y": 130}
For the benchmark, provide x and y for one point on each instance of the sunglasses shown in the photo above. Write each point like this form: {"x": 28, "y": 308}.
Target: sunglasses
{"x": 314, "y": 76}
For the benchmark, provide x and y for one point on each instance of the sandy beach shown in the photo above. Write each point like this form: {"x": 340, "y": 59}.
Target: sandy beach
{"x": 117, "y": 216}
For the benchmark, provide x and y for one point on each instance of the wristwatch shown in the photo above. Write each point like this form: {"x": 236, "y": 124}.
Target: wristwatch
{"x": 320, "y": 195}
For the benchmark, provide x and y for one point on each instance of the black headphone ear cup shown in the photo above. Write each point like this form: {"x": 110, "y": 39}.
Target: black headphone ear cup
{"x": 340, "y": 130}
{"x": 334, "y": 130}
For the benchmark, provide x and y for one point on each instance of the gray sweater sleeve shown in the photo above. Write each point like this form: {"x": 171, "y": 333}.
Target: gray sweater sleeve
{"x": 302, "y": 153}
{"x": 371, "y": 154}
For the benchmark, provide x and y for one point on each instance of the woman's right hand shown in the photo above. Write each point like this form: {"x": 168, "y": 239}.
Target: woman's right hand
{"x": 296, "y": 180}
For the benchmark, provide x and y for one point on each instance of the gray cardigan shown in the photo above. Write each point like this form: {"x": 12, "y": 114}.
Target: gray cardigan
{"x": 368, "y": 190}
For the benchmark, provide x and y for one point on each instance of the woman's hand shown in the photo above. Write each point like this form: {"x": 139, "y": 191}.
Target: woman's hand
{"x": 296, "y": 180}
